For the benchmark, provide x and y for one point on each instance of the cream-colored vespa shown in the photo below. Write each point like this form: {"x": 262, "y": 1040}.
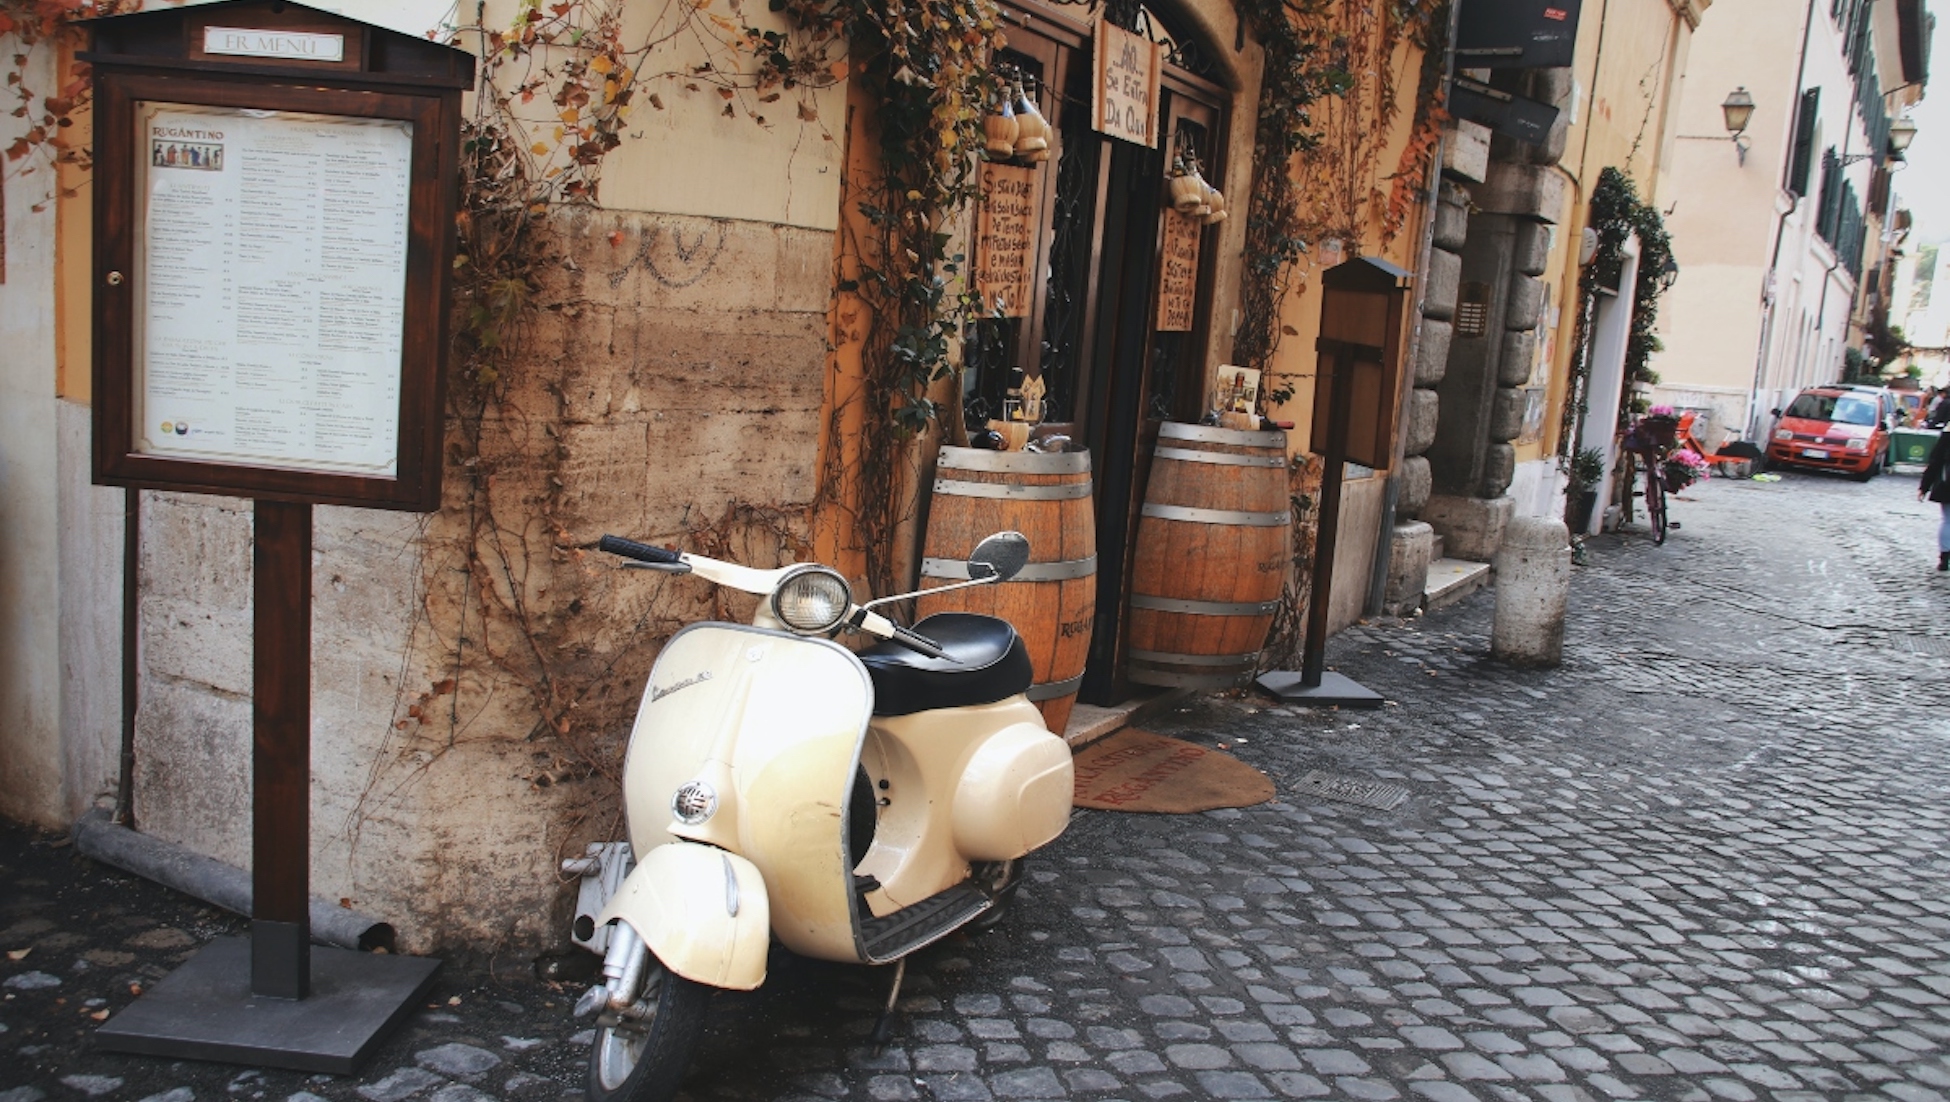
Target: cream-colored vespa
{"x": 856, "y": 806}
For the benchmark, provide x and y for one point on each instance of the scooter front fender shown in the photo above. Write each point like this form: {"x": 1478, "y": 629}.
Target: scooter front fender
{"x": 703, "y": 911}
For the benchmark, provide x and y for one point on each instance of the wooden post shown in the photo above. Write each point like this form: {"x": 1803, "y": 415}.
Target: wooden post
{"x": 1340, "y": 368}
{"x": 281, "y": 751}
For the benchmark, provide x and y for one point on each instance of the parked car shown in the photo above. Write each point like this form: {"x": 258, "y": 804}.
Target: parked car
{"x": 1835, "y": 428}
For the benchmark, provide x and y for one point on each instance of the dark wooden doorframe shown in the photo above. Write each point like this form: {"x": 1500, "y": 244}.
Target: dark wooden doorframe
{"x": 1113, "y": 395}
{"x": 1121, "y": 417}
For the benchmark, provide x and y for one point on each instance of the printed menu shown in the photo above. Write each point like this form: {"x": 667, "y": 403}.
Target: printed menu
{"x": 271, "y": 283}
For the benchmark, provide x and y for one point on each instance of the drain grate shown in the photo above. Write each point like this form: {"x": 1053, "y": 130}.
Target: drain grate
{"x": 1924, "y": 644}
{"x": 1379, "y": 795}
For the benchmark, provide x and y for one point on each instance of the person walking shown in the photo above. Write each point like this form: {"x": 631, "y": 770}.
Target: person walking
{"x": 1936, "y": 486}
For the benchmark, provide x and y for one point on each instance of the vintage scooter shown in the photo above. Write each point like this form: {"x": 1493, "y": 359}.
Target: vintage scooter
{"x": 854, "y": 806}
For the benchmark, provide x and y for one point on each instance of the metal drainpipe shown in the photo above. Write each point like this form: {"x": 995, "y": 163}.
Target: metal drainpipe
{"x": 1384, "y": 539}
{"x": 131, "y": 608}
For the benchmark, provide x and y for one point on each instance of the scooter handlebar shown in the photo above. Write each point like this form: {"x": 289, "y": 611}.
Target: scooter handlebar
{"x": 631, "y": 549}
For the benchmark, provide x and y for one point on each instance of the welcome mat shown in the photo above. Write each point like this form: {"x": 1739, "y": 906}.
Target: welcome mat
{"x": 1135, "y": 770}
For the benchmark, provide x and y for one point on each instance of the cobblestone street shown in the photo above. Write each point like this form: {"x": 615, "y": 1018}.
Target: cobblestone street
{"x": 1708, "y": 858}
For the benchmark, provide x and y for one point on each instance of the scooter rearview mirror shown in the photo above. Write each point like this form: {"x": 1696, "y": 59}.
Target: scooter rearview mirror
{"x": 999, "y": 557}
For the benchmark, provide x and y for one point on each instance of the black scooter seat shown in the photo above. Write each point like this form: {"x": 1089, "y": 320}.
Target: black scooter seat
{"x": 986, "y": 662}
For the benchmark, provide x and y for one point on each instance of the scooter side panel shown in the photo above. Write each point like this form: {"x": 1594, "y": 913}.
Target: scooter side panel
{"x": 703, "y": 912}
{"x": 1014, "y": 794}
{"x": 915, "y": 855}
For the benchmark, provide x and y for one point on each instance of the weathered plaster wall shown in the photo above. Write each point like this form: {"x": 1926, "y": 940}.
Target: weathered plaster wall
{"x": 30, "y": 522}
{"x": 675, "y": 372}
{"x": 91, "y": 617}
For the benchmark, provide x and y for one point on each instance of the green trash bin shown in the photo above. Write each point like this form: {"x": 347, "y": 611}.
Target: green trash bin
{"x": 1912, "y": 445}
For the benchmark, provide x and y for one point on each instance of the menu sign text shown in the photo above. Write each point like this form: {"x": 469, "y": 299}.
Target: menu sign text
{"x": 1178, "y": 273}
{"x": 1004, "y": 244}
{"x": 271, "y": 287}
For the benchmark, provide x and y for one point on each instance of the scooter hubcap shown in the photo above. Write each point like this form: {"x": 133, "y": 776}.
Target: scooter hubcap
{"x": 618, "y": 1049}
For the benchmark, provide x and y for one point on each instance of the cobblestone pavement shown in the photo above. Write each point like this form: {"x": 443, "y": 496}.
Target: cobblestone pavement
{"x": 1705, "y": 859}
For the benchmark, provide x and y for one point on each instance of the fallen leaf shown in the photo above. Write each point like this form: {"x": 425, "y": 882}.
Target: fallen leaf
{"x": 19, "y": 954}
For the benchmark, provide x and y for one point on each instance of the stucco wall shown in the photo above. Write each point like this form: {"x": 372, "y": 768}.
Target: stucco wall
{"x": 30, "y": 522}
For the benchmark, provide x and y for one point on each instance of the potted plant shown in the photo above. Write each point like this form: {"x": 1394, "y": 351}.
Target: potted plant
{"x": 1587, "y": 470}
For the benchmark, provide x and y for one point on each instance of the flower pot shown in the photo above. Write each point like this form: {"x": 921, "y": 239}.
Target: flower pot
{"x": 1582, "y": 503}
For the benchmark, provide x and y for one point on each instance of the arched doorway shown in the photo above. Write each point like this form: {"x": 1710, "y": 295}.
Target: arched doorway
{"x": 1112, "y": 369}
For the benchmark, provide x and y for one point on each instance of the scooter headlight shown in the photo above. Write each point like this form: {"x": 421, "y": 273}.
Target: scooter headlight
{"x": 812, "y": 600}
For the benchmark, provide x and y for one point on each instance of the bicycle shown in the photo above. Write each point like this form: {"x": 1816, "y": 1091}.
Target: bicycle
{"x": 1647, "y": 441}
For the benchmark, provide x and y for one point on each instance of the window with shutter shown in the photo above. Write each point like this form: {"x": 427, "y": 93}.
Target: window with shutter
{"x": 1802, "y": 160}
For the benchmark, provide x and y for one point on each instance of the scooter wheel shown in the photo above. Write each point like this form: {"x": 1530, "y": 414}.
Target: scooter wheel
{"x": 644, "y": 1061}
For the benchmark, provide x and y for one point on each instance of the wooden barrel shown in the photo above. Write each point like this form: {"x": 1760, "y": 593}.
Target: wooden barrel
{"x": 1214, "y": 545}
{"x": 1052, "y": 602}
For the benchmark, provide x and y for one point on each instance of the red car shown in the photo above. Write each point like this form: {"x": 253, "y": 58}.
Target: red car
{"x": 1834, "y": 428}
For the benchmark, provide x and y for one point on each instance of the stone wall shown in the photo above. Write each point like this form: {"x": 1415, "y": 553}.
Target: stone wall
{"x": 475, "y": 671}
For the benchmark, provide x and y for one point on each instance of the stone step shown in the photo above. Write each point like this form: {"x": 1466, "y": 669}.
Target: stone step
{"x": 1435, "y": 548}
{"x": 1450, "y": 580}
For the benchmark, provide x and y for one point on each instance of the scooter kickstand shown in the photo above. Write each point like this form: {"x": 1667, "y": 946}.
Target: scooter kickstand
{"x": 883, "y": 1029}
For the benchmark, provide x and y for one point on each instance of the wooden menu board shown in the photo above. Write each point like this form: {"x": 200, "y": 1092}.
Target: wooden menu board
{"x": 1178, "y": 273}
{"x": 1004, "y": 239}
{"x": 274, "y": 233}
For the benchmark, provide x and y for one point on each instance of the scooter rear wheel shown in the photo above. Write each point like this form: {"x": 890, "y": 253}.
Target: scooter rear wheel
{"x": 644, "y": 1061}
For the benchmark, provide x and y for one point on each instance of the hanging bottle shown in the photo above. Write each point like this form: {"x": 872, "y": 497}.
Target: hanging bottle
{"x": 1215, "y": 203}
{"x": 999, "y": 130}
{"x": 1187, "y": 191}
{"x": 1032, "y": 129}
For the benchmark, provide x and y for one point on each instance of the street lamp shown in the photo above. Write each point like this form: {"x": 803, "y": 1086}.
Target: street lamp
{"x": 1901, "y": 132}
{"x": 1739, "y": 110}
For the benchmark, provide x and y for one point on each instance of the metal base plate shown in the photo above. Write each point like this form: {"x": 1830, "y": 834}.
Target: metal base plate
{"x": 205, "y": 1010}
{"x": 1334, "y": 689}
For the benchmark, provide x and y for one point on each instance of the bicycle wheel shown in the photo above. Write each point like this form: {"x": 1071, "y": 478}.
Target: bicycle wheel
{"x": 1655, "y": 502}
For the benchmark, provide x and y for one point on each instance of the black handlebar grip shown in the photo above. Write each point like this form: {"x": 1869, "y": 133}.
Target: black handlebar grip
{"x": 631, "y": 549}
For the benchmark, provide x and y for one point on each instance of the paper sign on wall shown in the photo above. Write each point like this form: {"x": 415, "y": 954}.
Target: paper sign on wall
{"x": 1004, "y": 239}
{"x": 1126, "y": 101}
{"x": 1178, "y": 273}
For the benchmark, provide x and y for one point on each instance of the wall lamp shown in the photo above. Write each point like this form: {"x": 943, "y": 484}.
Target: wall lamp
{"x": 1739, "y": 110}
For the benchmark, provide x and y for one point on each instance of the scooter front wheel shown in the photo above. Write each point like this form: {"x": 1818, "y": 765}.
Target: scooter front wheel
{"x": 643, "y": 1060}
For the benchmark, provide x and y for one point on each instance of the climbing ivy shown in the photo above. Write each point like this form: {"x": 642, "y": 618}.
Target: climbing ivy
{"x": 1618, "y": 214}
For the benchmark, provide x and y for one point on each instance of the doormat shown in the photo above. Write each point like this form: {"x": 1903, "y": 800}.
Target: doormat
{"x": 1135, "y": 770}
{"x": 1379, "y": 795}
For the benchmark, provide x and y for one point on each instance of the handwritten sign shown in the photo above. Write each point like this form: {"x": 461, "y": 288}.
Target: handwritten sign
{"x": 1004, "y": 240}
{"x": 1126, "y": 101}
{"x": 1178, "y": 273}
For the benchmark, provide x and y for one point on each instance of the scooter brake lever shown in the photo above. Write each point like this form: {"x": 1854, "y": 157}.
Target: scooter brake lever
{"x": 665, "y": 567}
